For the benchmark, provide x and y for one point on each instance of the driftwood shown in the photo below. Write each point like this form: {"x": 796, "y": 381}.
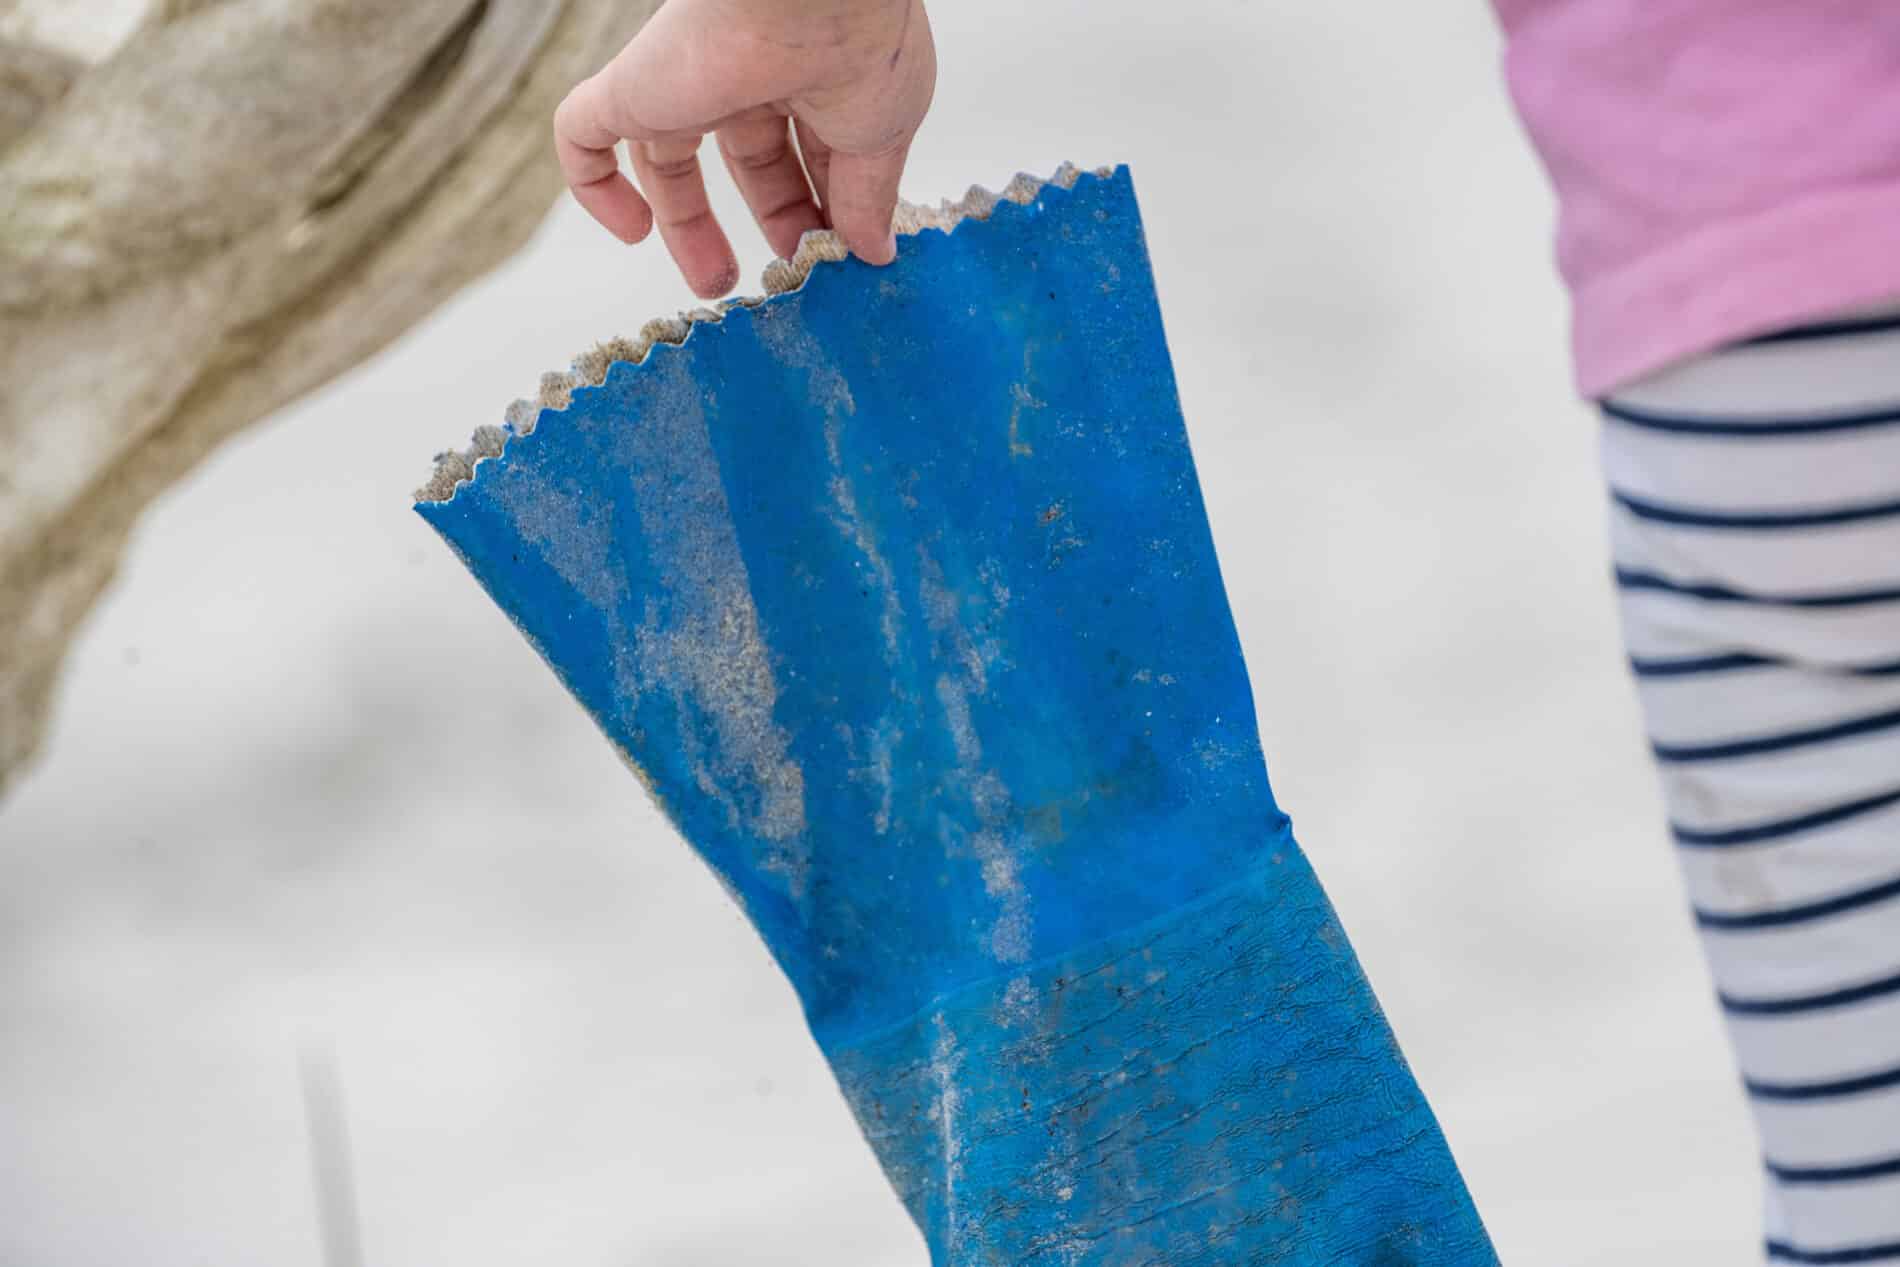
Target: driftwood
{"x": 240, "y": 201}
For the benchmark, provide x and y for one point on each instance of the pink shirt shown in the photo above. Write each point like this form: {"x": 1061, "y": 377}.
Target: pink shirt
{"x": 1724, "y": 168}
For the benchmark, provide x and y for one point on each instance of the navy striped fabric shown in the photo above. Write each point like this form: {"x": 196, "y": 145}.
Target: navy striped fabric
{"x": 1882, "y": 323}
{"x": 1740, "y": 660}
{"x": 1755, "y": 518}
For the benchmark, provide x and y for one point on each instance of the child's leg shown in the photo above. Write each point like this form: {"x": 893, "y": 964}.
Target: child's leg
{"x": 1756, "y": 529}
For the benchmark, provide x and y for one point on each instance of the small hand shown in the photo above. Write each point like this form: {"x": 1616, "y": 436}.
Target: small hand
{"x": 851, "y": 79}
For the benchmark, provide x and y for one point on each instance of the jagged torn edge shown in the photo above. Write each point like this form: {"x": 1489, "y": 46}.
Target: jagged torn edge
{"x": 453, "y": 469}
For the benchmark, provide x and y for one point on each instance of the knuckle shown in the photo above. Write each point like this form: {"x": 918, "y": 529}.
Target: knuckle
{"x": 674, "y": 168}
{"x": 789, "y": 205}
{"x": 690, "y": 221}
{"x": 759, "y": 159}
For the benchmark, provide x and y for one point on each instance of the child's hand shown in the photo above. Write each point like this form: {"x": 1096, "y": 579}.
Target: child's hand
{"x": 852, "y": 77}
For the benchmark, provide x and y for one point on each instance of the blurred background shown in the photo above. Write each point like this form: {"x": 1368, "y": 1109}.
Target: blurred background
{"x": 306, "y": 785}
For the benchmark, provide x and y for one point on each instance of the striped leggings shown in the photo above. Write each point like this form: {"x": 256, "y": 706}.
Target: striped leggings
{"x": 1756, "y": 529}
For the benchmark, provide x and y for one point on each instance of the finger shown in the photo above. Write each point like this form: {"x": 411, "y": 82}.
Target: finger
{"x": 863, "y": 196}
{"x": 584, "y": 143}
{"x": 669, "y": 173}
{"x": 817, "y": 156}
{"x": 758, "y": 152}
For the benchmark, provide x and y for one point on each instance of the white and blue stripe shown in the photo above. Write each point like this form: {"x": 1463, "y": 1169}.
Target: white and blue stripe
{"x": 1755, "y": 521}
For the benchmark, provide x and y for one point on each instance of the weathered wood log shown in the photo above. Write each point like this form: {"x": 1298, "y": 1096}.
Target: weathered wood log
{"x": 242, "y": 200}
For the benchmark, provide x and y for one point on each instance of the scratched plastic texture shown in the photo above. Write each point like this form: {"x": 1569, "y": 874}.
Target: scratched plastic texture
{"x": 899, "y": 593}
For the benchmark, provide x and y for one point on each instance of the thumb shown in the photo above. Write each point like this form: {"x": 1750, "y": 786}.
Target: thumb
{"x": 675, "y": 80}
{"x": 585, "y": 134}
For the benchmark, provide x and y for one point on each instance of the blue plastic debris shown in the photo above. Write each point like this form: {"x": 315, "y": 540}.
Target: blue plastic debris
{"x": 898, "y": 592}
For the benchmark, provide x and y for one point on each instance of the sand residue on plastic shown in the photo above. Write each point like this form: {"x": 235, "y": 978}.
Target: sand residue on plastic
{"x": 992, "y": 841}
{"x": 699, "y": 638}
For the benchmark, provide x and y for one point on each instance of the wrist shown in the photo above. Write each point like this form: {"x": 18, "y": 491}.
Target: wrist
{"x": 816, "y": 26}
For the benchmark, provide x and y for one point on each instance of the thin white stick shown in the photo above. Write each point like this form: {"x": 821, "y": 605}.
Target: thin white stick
{"x": 330, "y": 1158}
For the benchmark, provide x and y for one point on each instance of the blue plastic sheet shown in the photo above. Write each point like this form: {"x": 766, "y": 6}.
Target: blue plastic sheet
{"x": 898, "y": 591}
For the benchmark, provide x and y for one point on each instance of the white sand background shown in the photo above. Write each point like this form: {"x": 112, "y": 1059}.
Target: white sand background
{"x": 307, "y": 781}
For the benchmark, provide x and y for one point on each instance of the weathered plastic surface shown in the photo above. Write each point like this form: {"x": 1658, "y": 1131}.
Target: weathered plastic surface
{"x": 899, "y": 592}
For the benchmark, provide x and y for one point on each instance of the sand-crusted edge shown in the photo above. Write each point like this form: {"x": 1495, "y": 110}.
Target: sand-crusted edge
{"x": 453, "y": 469}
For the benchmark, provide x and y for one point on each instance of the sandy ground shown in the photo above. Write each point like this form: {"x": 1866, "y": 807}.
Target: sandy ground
{"x": 307, "y": 782}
